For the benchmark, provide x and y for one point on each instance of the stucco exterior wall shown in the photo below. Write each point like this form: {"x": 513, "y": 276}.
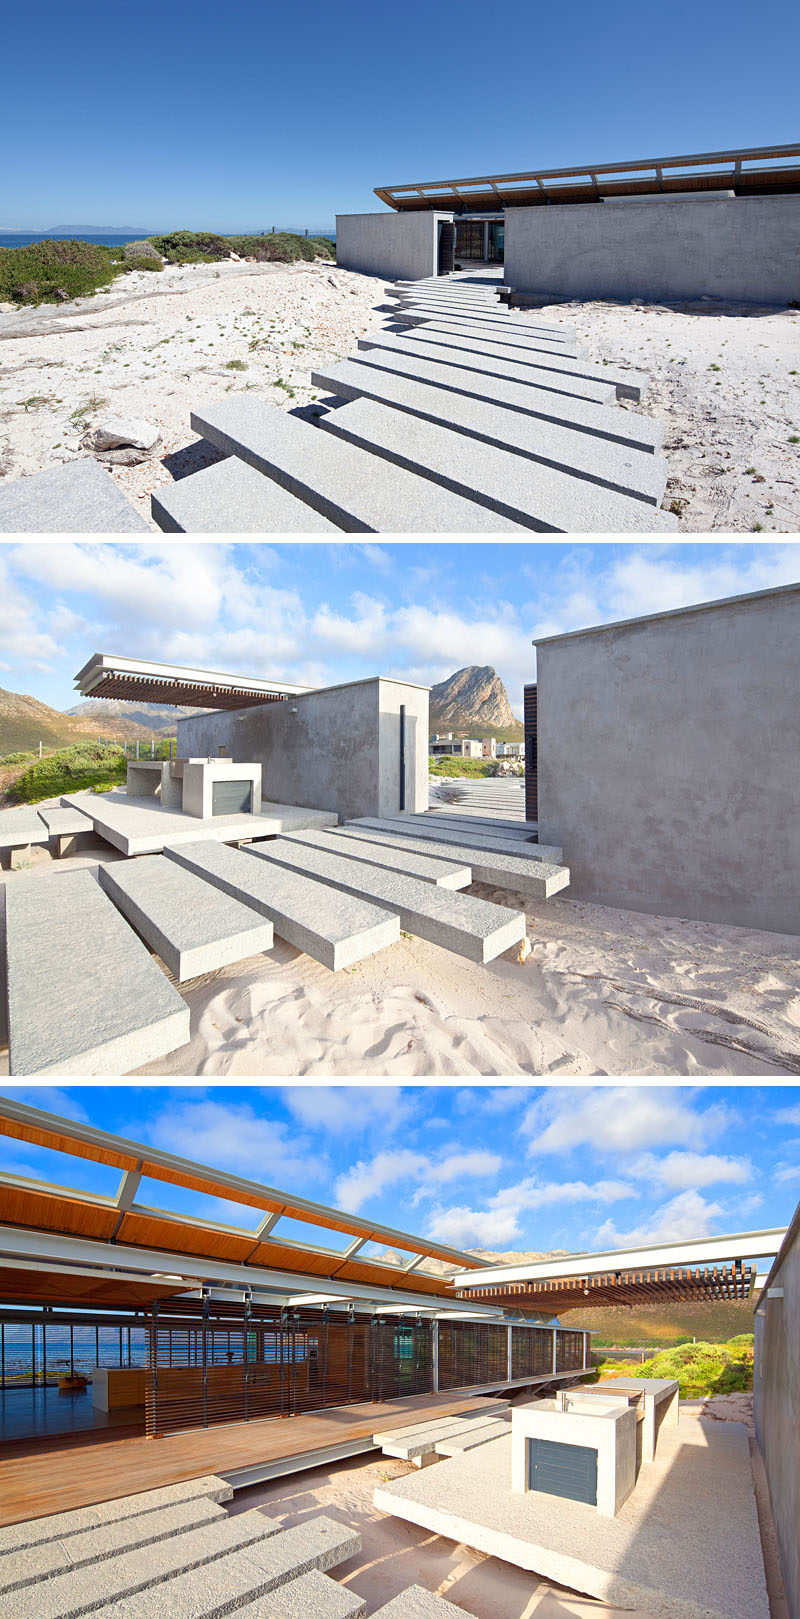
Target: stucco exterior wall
{"x": 669, "y": 761}
{"x": 742, "y": 248}
{"x": 336, "y": 749}
{"x": 400, "y": 246}
{"x": 776, "y": 1387}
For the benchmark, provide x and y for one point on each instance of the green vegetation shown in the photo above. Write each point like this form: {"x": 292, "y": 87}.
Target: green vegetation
{"x": 701, "y": 1369}
{"x": 448, "y": 766}
{"x": 53, "y": 271}
{"x": 85, "y": 764}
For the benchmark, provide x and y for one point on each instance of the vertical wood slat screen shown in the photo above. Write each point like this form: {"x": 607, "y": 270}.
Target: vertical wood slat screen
{"x": 569, "y": 1351}
{"x": 401, "y": 1358}
{"x": 530, "y": 723}
{"x": 471, "y": 1352}
{"x": 531, "y": 1351}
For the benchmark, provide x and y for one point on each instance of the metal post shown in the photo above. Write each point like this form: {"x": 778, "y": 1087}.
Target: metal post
{"x": 71, "y": 1350}
{"x": 402, "y": 756}
{"x": 152, "y": 748}
{"x": 40, "y": 750}
{"x": 510, "y": 1354}
{"x": 555, "y": 1349}
{"x": 205, "y": 1366}
{"x": 137, "y": 747}
{"x": 435, "y": 1367}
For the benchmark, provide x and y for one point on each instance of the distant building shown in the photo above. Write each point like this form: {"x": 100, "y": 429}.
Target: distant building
{"x": 457, "y": 747}
{"x": 511, "y": 750}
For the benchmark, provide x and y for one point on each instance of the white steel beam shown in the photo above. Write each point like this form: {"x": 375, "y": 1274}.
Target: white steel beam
{"x": 689, "y": 1253}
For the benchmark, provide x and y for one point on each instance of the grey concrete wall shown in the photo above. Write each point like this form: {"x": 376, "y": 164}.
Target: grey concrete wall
{"x": 337, "y": 749}
{"x": 669, "y": 761}
{"x": 776, "y": 1387}
{"x": 742, "y": 248}
{"x": 400, "y": 246}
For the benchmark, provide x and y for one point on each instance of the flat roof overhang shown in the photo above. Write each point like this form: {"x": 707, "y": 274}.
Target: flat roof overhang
{"x": 747, "y": 171}
{"x": 691, "y": 1252}
{"x": 699, "y": 1286}
{"x": 105, "y": 1227}
{"x": 135, "y": 680}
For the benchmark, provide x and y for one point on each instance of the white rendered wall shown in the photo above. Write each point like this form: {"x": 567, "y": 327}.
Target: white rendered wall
{"x": 741, "y": 248}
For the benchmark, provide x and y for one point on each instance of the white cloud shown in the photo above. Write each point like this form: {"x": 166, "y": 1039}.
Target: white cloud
{"x": 478, "y": 1228}
{"x": 685, "y": 1216}
{"x": 50, "y": 1099}
{"x": 368, "y": 1179}
{"x": 498, "y": 1223}
{"x": 234, "y": 1137}
{"x": 681, "y": 1170}
{"x": 346, "y": 1110}
{"x": 787, "y": 1173}
{"x": 788, "y": 1115}
{"x": 620, "y": 1119}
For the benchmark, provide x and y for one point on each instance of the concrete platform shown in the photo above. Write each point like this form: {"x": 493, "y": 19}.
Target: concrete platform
{"x": 335, "y": 931}
{"x": 354, "y": 490}
{"x": 685, "y": 1544}
{"x": 551, "y": 426}
{"x": 84, "y": 994}
{"x": 442, "y": 873}
{"x": 189, "y": 923}
{"x": 67, "y": 827}
{"x": 565, "y": 482}
{"x": 79, "y": 497}
{"x": 141, "y": 826}
{"x": 529, "y": 879}
{"x": 232, "y": 498}
{"x": 470, "y": 927}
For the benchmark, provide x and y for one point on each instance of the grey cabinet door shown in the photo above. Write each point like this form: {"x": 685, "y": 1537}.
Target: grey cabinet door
{"x": 567, "y": 1470}
{"x": 230, "y": 797}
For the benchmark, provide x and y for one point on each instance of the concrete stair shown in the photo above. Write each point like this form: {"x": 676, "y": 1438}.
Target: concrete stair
{"x": 77, "y": 498}
{"x": 233, "y": 498}
{"x": 495, "y": 842}
{"x": 191, "y": 925}
{"x": 417, "y": 1603}
{"x": 62, "y": 1525}
{"x": 67, "y": 947}
{"x": 523, "y": 831}
{"x": 333, "y": 930}
{"x": 534, "y": 879}
{"x": 66, "y": 827}
{"x": 27, "y": 1565}
{"x": 459, "y": 922}
{"x": 415, "y": 1444}
{"x": 443, "y": 873}
{"x": 513, "y": 396}
{"x": 457, "y": 1444}
{"x": 20, "y": 829}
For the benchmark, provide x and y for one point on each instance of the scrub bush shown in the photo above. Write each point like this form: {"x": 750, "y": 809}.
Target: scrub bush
{"x": 701, "y": 1369}
{"x": 52, "y": 271}
{"x": 85, "y": 764}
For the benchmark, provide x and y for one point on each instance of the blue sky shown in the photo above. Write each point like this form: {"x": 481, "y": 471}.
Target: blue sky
{"x": 241, "y": 117}
{"x": 506, "y": 1168}
{"x": 320, "y": 614}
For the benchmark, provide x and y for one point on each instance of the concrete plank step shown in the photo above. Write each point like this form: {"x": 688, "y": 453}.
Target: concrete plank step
{"x": 493, "y": 825}
{"x": 232, "y": 498}
{"x": 470, "y": 927}
{"x": 260, "y": 1566}
{"x": 417, "y": 1603}
{"x": 189, "y": 923}
{"x": 627, "y": 384}
{"x": 409, "y": 1448}
{"x": 312, "y": 1596}
{"x": 355, "y": 490}
{"x": 457, "y": 1444}
{"x": 79, "y": 497}
{"x": 487, "y": 1409}
{"x": 60, "y": 1525}
{"x": 334, "y": 931}
{"x": 501, "y": 412}
{"x": 30, "y": 1564}
{"x": 497, "y": 311}
{"x": 472, "y": 350}
{"x": 569, "y": 483}
{"x": 413, "y": 826}
{"x": 533, "y": 879}
{"x": 442, "y": 873}
{"x": 82, "y": 1590}
{"x": 541, "y": 366}
{"x": 68, "y": 947}
{"x": 141, "y": 826}
{"x": 64, "y": 822}
{"x": 549, "y": 342}
{"x": 21, "y": 827}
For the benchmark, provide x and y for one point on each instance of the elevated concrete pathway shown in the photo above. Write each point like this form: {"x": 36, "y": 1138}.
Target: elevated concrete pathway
{"x": 565, "y": 482}
{"x": 470, "y": 927}
{"x": 79, "y": 497}
{"x": 190, "y": 924}
{"x": 84, "y": 994}
{"x": 354, "y": 490}
{"x": 141, "y": 826}
{"x": 333, "y": 930}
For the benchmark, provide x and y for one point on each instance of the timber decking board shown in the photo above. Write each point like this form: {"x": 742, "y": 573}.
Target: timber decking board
{"x": 47, "y": 1479}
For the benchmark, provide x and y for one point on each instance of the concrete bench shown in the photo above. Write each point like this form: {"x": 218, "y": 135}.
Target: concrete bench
{"x": 61, "y": 1525}
{"x": 569, "y": 482}
{"x": 67, "y": 827}
{"x": 20, "y": 829}
{"x": 419, "y": 826}
{"x": 77, "y": 498}
{"x": 534, "y": 879}
{"x": 30, "y": 1564}
{"x": 443, "y": 873}
{"x": 84, "y": 994}
{"x": 454, "y": 397}
{"x": 334, "y": 931}
{"x": 470, "y": 927}
{"x": 189, "y": 923}
{"x": 232, "y": 498}
{"x": 357, "y": 491}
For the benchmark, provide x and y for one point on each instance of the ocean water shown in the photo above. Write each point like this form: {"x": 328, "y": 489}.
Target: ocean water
{"x": 8, "y": 239}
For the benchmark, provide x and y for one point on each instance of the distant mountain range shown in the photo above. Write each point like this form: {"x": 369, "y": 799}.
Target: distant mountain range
{"x": 474, "y": 702}
{"x": 25, "y": 722}
{"x": 154, "y": 718}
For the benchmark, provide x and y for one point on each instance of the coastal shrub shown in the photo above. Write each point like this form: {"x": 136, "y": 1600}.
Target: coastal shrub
{"x": 204, "y": 247}
{"x": 701, "y": 1369}
{"x": 142, "y": 256}
{"x": 84, "y": 764}
{"x": 50, "y": 271}
{"x": 447, "y": 765}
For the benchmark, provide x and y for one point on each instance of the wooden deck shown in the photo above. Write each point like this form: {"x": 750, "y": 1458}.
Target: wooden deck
{"x": 53, "y": 1475}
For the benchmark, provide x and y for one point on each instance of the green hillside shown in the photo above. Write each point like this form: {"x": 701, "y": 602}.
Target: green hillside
{"x": 649, "y": 1325}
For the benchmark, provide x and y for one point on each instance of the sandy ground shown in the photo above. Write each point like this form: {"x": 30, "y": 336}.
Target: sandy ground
{"x": 725, "y": 379}
{"x": 603, "y": 992}
{"x": 739, "y": 1408}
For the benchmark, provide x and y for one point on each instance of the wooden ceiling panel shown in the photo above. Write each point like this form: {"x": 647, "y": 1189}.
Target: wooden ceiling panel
{"x": 148, "y": 1231}
{"x": 70, "y": 1216}
{"x": 39, "y": 1136}
{"x": 50, "y": 1287}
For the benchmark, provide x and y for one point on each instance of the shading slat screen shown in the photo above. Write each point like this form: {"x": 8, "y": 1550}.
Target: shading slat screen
{"x": 529, "y": 714}
{"x": 471, "y": 1352}
{"x": 531, "y": 1351}
{"x": 569, "y": 1351}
